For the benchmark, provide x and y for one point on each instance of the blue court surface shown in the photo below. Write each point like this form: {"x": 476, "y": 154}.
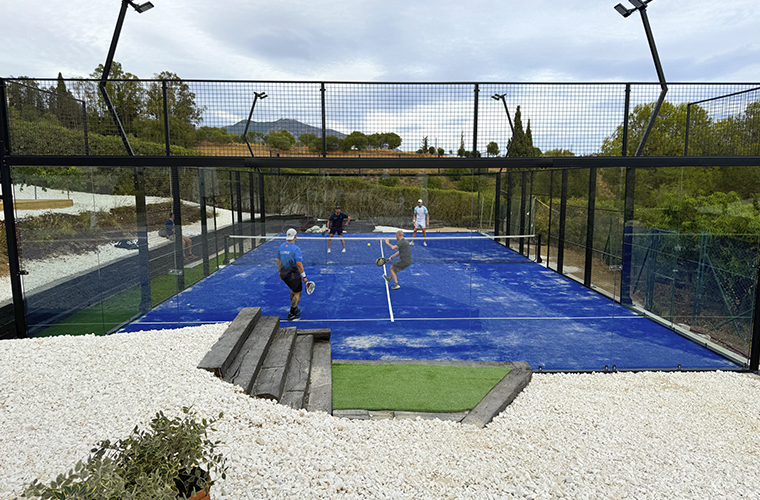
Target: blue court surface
{"x": 462, "y": 298}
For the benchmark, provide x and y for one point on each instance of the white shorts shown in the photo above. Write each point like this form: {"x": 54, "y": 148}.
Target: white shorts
{"x": 419, "y": 225}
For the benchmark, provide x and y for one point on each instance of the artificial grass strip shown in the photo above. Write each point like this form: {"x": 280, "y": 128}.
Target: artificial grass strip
{"x": 119, "y": 309}
{"x": 412, "y": 387}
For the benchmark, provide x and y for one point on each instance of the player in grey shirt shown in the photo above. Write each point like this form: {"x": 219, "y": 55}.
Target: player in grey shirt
{"x": 405, "y": 258}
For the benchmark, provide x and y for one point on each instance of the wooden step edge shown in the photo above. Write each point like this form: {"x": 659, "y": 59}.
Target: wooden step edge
{"x": 317, "y": 333}
{"x": 247, "y": 364}
{"x": 297, "y": 375}
{"x": 270, "y": 380}
{"x": 224, "y": 351}
{"x": 320, "y": 380}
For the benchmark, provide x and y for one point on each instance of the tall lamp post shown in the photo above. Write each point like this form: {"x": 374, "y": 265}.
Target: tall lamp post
{"x": 256, "y": 97}
{"x": 500, "y": 97}
{"x": 140, "y": 8}
{"x": 641, "y": 6}
{"x": 139, "y": 178}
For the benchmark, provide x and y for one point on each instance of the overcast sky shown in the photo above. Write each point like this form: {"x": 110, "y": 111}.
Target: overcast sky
{"x": 393, "y": 40}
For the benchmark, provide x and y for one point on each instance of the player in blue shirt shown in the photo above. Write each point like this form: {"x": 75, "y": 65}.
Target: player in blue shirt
{"x": 290, "y": 266}
{"x": 335, "y": 225}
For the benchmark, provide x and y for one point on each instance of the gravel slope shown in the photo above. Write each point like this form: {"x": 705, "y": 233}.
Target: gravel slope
{"x": 624, "y": 435}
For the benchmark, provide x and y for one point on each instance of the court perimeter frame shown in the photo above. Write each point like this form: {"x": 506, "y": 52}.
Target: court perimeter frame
{"x": 315, "y": 165}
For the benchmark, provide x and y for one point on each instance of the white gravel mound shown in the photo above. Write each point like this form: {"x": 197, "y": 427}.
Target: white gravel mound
{"x": 624, "y": 435}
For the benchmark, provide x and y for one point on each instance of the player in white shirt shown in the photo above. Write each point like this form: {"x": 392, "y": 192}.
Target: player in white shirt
{"x": 421, "y": 220}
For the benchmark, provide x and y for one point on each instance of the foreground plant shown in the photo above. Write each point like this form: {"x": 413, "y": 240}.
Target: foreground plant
{"x": 173, "y": 459}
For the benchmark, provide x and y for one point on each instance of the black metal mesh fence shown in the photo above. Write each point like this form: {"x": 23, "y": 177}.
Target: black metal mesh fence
{"x": 249, "y": 118}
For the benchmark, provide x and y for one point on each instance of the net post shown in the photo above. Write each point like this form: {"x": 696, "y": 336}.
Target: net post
{"x": 538, "y": 249}
{"x": 226, "y": 251}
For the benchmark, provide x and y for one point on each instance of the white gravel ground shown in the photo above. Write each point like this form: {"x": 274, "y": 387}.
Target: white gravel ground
{"x": 579, "y": 436}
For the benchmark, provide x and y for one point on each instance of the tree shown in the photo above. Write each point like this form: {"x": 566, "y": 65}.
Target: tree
{"x": 461, "y": 151}
{"x": 308, "y": 139}
{"x": 441, "y": 152}
{"x": 425, "y": 147}
{"x": 668, "y": 133}
{"x": 354, "y": 140}
{"x": 283, "y": 140}
{"x": 126, "y": 94}
{"x": 558, "y": 152}
{"x": 25, "y": 97}
{"x": 492, "y": 149}
{"x": 519, "y": 145}
{"x": 64, "y": 106}
{"x": 536, "y": 152}
{"x": 391, "y": 140}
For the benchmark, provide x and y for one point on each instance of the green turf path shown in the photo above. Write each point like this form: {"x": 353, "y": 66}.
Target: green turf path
{"x": 412, "y": 387}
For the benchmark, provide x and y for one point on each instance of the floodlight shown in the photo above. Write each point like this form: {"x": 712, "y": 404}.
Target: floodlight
{"x": 141, "y": 8}
{"x": 261, "y": 95}
{"x": 622, "y": 10}
{"x": 638, "y": 4}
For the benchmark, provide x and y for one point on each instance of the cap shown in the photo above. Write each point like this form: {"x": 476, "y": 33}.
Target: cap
{"x": 419, "y": 201}
{"x": 291, "y": 234}
{"x": 337, "y": 207}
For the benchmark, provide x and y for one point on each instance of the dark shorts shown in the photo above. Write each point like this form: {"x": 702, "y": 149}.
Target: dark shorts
{"x": 400, "y": 265}
{"x": 292, "y": 278}
{"x": 338, "y": 230}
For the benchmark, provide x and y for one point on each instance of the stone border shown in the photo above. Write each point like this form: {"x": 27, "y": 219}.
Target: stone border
{"x": 497, "y": 399}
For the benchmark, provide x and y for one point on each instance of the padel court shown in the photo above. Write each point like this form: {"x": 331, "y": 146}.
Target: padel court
{"x": 462, "y": 298}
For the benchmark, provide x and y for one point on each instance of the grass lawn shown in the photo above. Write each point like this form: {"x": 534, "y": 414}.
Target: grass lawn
{"x": 121, "y": 308}
{"x": 412, "y": 387}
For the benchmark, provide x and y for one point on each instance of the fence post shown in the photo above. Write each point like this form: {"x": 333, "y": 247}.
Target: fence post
{"x": 262, "y": 205}
{"x": 204, "y": 225}
{"x": 590, "y": 218}
{"x": 177, "y": 210}
{"x": 19, "y": 311}
{"x": 475, "y": 126}
{"x": 562, "y": 220}
{"x": 628, "y": 207}
{"x": 167, "y": 140}
{"x": 549, "y": 228}
{"x": 142, "y": 239}
{"x": 508, "y": 222}
{"x": 324, "y": 124}
{"x": 754, "y": 356}
{"x": 497, "y": 205}
{"x": 523, "y": 194}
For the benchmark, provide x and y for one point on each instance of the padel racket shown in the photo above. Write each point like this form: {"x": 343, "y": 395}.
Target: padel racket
{"x": 381, "y": 261}
{"x": 310, "y": 286}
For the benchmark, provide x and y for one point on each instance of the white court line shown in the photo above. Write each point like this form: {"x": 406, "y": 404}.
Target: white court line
{"x": 387, "y": 290}
{"x": 468, "y": 318}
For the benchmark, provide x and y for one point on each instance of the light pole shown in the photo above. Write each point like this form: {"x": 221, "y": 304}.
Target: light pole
{"x": 500, "y": 97}
{"x": 641, "y": 6}
{"x": 256, "y": 97}
{"x": 109, "y": 61}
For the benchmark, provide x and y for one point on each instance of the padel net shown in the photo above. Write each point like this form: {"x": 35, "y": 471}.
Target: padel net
{"x": 437, "y": 248}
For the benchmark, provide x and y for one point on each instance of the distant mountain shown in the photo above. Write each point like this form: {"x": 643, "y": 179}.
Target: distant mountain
{"x": 293, "y": 126}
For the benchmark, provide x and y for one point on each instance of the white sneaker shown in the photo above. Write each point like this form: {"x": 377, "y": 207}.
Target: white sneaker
{"x": 395, "y": 287}
{"x": 387, "y": 278}
{"x": 412, "y": 243}
{"x": 424, "y": 243}
{"x": 328, "y": 250}
{"x": 343, "y": 251}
